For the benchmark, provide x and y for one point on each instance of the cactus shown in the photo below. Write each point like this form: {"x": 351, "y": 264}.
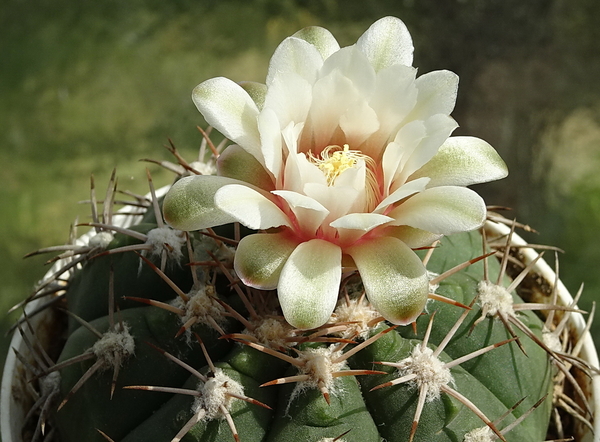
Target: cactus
{"x": 197, "y": 330}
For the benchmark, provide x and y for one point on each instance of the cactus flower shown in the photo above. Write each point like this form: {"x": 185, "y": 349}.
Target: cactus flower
{"x": 342, "y": 160}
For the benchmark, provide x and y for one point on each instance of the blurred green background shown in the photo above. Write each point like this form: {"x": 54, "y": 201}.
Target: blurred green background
{"x": 89, "y": 85}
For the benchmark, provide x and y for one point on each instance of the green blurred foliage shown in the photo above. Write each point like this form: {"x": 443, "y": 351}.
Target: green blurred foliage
{"x": 89, "y": 85}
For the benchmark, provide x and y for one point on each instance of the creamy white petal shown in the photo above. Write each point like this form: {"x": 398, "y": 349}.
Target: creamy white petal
{"x": 190, "y": 203}
{"x": 227, "y": 107}
{"x": 309, "y": 213}
{"x": 271, "y": 141}
{"x": 437, "y": 94}
{"x": 394, "y": 97}
{"x": 443, "y": 210}
{"x": 358, "y": 123}
{"x": 462, "y": 161}
{"x": 398, "y": 152}
{"x": 338, "y": 200}
{"x": 394, "y": 278}
{"x": 402, "y": 192}
{"x": 309, "y": 283}
{"x": 299, "y": 171}
{"x": 387, "y": 42}
{"x": 438, "y": 128}
{"x": 360, "y": 221}
{"x": 354, "y": 225}
{"x": 295, "y": 55}
{"x": 352, "y": 64}
{"x": 321, "y": 38}
{"x": 249, "y": 207}
{"x": 289, "y": 96}
{"x": 259, "y": 258}
{"x": 332, "y": 95}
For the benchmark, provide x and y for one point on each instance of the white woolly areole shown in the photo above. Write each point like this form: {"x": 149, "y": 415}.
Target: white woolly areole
{"x": 483, "y": 434}
{"x": 431, "y": 372}
{"x": 432, "y": 275}
{"x": 318, "y": 364}
{"x": 165, "y": 238}
{"x": 495, "y": 299}
{"x": 114, "y": 347}
{"x": 101, "y": 239}
{"x": 50, "y": 383}
{"x": 551, "y": 340}
{"x": 216, "y": 392}
{"x": 271, "y": 332}
{"x": 357, "y": 313}
{"x": 200, "y": 305}
{"x": 204, "y": 168}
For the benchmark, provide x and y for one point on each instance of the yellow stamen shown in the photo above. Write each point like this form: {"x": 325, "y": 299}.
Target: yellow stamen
{"x": 334, "y": 160}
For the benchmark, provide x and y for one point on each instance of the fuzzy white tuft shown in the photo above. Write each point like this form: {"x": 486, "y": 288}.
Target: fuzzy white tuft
{"x": 165, "y": 238}
{"x": 483, "y": 434}
{"x": 357, "y": 314}
{"x": 431, "y": 372}
{"x": 208, "y": 168}
{"x": 551, "y": 340}
{"x": 216, "y": 393}
{"x": 432, "y": 275}
{"x": 272, "y": 332}
{"x": 50, "y": 383}
{"x": 201, "y": 306}
{"x": 101, "y": 240}
{"x": 114, "y": 347}
{"x": 495, "y": 299}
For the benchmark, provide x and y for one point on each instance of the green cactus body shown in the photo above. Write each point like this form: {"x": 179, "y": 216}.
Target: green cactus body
{"x": 494, "y": 381}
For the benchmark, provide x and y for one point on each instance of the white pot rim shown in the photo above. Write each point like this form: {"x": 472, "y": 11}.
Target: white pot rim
{"x": 12, "y": 415}
{"x": 12, "y": 412}
{"x": 576, "y": 320}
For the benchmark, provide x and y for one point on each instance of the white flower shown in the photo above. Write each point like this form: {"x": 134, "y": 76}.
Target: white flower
{"x": 342, "y": 159}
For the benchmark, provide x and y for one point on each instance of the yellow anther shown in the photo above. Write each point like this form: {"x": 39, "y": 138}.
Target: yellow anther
{"x": 335, "y": 160}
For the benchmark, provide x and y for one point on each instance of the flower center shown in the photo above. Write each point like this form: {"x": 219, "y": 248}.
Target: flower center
{"x": 335, "y": 160}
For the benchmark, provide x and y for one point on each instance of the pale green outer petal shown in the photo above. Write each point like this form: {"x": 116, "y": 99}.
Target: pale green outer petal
{"x": 190, "y": 203}
{"x": 227, "y": 107}
{"x": 443, "y": 210}
{"x": 294, "y": 55}
{"x": 249, "y": 207}
{"x": 257, "y": 91}
{"x": 437, "y": 94}
{"x": 394, "y": 278}
{"x": 309, "y": 213}
{"x": 413, "y": 238}
{"x": 462, "y": 161}
{"x": 259, "y": 258}
{"x": 387, "y": 42}
{"x": 309, "y": 283}
{"x": 235, "y": 162}
{"x": 321, "y": 38}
